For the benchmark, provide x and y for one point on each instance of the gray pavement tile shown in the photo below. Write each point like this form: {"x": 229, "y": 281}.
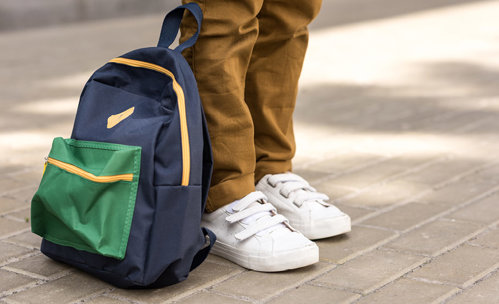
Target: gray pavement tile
{"x": 219, "y": 260}
{"x": 8, "y": 204}
{"x": 208, "y": 297}
{"x": 406, "y": 216}
{"x": 29, "y": 177}
{"x": 63, "y": 290}
{"x": 311, "y": 174}
{"x": 474, "y": 263}
{"x": 409, "y": 292}
{"x": 104, "y": 300}
{"x": 441, "y": 171}
{"x": 26, "y": 239}
{"x": 354, "y": 212}
{"x": 22, "y": 215}
{"x": 386, "y": 194}
{"x": 484, "y": 292}
{"x": 376, "y": 173}
{"x": 23, "y": 195}
{"x": 370, "y": 271}
{"x": 315, "y": 294}
{"x": 435, "y": 237}
{"x": 490, "y": 173}
{"x": 260, "y": 285}
{"x": 459, "y": 192}
{"x": 202, "y": 277}
{"x": 9, "y": 251}
{"x": 40, "y": 265}
{"x": 489, "y": 239}
{"x": 485, "y": 211}
{"x": 11, "y": 280}
{"x": 344, "y": 247}
{"x": 9, "y": 184}
{"x": 339, "y": 164}
{"x": 9, "y": 226}
{"x": 332, "y": 190}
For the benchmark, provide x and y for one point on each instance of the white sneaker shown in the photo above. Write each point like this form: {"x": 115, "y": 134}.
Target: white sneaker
{"x": 305, "y": 208}
{"x": 251, "y": 233}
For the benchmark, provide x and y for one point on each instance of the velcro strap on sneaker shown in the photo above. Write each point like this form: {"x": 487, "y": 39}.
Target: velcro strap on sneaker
{"x": 311, "y": 196}
{"x": 289, "y": 187}
{"x": 286, "y": 177}
{"x": 236, "y": 217}
{"x": 260, "y": 225}
{"x": 248, "y": 200}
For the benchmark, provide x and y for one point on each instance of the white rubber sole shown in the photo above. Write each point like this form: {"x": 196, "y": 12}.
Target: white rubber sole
{"x": 325, "y": 228}
{"x": 280, "y": 261}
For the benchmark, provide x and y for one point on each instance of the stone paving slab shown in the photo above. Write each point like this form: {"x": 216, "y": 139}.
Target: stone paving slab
{"x": 410, "y": 292}
{"x": 474, "y": 263}
{"x": 488, "y": 239}
{"x": 204, "y": 276}
{"x": 316, "y": 294}
{"x": 397, "y": 121}
{"x": 485, "y": 291}
{"x": 370, "y": 271}
{"x": 436, "y": 237}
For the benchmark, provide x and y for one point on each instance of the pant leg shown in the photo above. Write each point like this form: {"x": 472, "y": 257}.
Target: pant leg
{"x": 220, "y": 60}
{"x": 272, "y": 80}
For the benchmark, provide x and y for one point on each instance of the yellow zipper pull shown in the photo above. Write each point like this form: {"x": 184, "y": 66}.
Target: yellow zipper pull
{"x": 45, "y": 164}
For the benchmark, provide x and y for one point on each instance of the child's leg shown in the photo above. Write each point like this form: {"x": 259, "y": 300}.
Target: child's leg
{"x": 219, "y": 60}
{"x": 271, "y": 89}
{"x": 272, "y": 80}
{"x": 249, "y": 230}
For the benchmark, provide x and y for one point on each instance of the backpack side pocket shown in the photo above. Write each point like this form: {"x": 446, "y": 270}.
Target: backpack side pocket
{"x": 87, "y": 196}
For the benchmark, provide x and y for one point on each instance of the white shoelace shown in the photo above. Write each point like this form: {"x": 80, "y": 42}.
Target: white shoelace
{"x": 297, "y": 189}
{"x": 254, "y": 211}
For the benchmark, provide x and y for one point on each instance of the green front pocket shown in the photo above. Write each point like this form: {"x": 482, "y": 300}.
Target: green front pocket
{"x": 87, "y": 196}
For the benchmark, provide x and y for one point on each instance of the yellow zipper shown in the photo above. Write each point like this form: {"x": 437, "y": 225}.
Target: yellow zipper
{"x": 184, "y": 134}
{"x": 87, "y": 175}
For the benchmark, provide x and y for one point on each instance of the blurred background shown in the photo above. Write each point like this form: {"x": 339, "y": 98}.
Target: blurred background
{"x": 24, "y": 14}
{"x": 374, "y": 67}
{"x": 397, "y": 120}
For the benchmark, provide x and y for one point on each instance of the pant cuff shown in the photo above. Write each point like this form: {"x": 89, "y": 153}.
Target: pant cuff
{"x": 228, "y": 191}
{"x": 271, "y": 167}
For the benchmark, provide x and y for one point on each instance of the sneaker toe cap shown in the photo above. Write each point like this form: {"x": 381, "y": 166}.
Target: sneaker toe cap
{"x": 319, "y": 211}
{"x": 288, "y": 240}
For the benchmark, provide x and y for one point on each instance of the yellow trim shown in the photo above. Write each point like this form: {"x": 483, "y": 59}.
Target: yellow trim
{"x": 184, "y": 134}
{"x": 115, "y": 119}
{"x": 87, "y": 175}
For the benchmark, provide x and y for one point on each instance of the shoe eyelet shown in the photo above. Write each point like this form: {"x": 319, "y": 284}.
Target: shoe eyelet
{"x": 271, "y": 184}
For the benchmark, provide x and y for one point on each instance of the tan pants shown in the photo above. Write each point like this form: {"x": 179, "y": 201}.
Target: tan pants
{"x": 247, "y": 62}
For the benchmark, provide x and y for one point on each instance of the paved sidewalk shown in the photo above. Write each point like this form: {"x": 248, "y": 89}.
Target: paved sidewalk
{"x": 397, "y": 120}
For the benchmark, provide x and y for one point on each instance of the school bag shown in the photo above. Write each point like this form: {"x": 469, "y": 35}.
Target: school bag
{"x": 122, "y": 199}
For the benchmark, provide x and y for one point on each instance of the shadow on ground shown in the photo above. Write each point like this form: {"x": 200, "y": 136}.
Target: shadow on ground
{"x": 343, "y": 12}
{"x": 452, "y": 95}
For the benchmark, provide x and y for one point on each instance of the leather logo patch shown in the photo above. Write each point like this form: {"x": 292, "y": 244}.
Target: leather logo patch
{"x": 115, "y": 119}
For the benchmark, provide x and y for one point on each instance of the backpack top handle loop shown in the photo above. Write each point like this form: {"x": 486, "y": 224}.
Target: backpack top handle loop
{"x": 171, "y": 26}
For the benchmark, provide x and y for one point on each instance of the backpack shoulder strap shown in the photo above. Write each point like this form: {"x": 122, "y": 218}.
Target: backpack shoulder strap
{"x": 203, "y": 253}
{"x": 171, "y": 26}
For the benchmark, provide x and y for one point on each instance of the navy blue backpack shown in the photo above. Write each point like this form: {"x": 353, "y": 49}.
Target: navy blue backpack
{"x": 122, "y": 199}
